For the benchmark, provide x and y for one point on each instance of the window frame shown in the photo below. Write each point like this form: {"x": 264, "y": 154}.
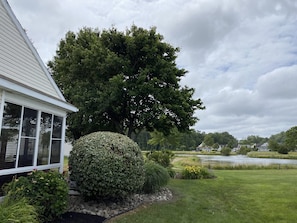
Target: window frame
{"x": 40, "y": 107}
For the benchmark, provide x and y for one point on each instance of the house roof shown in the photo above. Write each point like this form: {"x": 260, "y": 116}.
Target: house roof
{"x": 21, "y": 68}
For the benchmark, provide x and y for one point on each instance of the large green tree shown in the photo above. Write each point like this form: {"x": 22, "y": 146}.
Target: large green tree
{"x": 122, "y": 82}
{"x": 291, "y": 138}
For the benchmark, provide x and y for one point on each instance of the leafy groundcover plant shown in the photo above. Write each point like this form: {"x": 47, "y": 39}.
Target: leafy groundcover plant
{"x": 17, "y": 211}
{"x": 46, "y": 191}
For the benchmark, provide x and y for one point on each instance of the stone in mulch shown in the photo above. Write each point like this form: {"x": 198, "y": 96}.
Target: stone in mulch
{"x": 80, "y": 211}
{"x": 110, "y": 209}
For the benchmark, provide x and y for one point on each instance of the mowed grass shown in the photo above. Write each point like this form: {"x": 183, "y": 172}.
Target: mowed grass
{"x": 234, "y": 196}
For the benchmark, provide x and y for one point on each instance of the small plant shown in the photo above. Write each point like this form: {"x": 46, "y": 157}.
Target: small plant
{"x": 283, "y": 149}
{"x": 243, "y": 150}
{"x": 162, "y": 157}
{"x": 17, "y": 211}
{"x": 156, "y": 177}
{"x": 225, "y": 151}
{"x": 191, "y": 172}
{"x": 171, "y": 172}
{"x": 195, "y": 172}
{"x": 46, "y": 191}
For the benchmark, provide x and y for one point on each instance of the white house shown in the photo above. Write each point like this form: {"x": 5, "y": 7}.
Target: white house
{"x": 32, "y": 108}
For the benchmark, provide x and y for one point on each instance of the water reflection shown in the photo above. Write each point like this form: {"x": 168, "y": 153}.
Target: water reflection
{"x": 244, "y": 160}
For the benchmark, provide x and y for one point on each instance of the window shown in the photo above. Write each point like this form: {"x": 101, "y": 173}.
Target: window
{"x": 28, "y": 138}
{"x": 9, "y": 135}
{"x": 22, "y": 128}
{"x": 44, "y": 138}
{"x": 56, "y": 139}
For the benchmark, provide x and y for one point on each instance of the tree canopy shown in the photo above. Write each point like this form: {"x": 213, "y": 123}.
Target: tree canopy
{"x": 220, "y": 138}
{"x": 291, "y": 138}
{"x": 122, "y": 82}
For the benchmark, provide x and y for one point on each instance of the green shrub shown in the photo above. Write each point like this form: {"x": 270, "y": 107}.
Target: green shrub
{"x": 162, "y": 157}
{"x": 283, "y": 149}
{"x": 17, "y": 211}
{"x": 106, "y": 165}
{"x": 156, "y": 177}
{"x": 46, "y": 191}
{"x": 243, "y": 150}
{"x": 195, "y": 172}
{"x": 225, "y": 151}
{"x": 171, "y": 172}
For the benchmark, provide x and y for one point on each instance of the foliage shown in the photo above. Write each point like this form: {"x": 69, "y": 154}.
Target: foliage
{"x": 142, "y": 140}
{"x": 224, "y": 139}
{"x": 253, "y": 140}
{"x": 243, "y": 150}
{"x": 156, "y": 177}
{"x": 106, "y": 165}
{"x": 180, "y": 162}
{"x": 273, "y": 145}
{"x": 171, "y": 172}
{"x": 291, "y": 139}
{"x": 225, "y": 151}
{"x": 17, "y": 211}
{"x": 188, "y": 141}
{"x": 166, "y": 141}
{"x": 222, "y": 166}
{"x": 195, "y": 172}
{"x": 279, "y": 138}
{"x": 282, "y": 149}
{"x": 275, "y": 155}
{"x": 208, "y": 140}
{"x": 191, "y": 140}
{"x": 46, "y": 191}
{"x": 162, "y": 157}
{"x": 122, "y": 82}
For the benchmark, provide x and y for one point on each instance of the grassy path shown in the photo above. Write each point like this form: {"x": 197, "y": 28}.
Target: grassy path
{"x": 241, "y": 196}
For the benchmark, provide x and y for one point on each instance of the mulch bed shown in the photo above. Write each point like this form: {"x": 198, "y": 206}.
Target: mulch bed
{"x": 74, "y": 217}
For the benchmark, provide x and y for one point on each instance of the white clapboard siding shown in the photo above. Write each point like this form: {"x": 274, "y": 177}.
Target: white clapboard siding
{"x": 18, "y": 62}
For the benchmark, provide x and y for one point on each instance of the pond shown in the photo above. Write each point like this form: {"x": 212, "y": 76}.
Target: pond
{"x": 244, "y": 160}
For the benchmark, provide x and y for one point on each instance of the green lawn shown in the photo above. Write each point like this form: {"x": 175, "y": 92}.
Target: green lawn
{"x": 234, "y": 196}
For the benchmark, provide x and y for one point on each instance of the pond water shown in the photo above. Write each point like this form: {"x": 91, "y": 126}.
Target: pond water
{"x": 244, "y": 160}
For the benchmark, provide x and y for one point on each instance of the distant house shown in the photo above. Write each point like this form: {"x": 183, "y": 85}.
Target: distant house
{"x": 263, "y": 147}
{"x": 32, "y": 108}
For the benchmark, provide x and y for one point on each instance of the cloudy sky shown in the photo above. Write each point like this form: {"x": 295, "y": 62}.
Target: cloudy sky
{"x": 241, "y": 54}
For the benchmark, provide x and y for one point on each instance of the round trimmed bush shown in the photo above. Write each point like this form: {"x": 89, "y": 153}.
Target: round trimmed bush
{"x": 106, "y": 165}
{"x": 156, "y": 177}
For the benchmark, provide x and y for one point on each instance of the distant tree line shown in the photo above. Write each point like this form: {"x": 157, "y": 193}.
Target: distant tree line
{"x": 282, "y": 142}
{"x": 184, "y": 141}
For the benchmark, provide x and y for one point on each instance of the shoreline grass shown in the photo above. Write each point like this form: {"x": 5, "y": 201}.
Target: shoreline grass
{"x": 275, "y": 155}
{"x": 179, "y": 162}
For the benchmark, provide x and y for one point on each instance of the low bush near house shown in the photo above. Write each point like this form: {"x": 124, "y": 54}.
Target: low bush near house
{"x": 46, "y": 191}
{"x": 156, "y": 177}
{"x": 195, "y": 172}
{"x": 106, "y": 165}
{"x": 13, "y": 211}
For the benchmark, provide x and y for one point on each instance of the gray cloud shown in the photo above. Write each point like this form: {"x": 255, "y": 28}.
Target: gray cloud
{"x": 241, "y": 55}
